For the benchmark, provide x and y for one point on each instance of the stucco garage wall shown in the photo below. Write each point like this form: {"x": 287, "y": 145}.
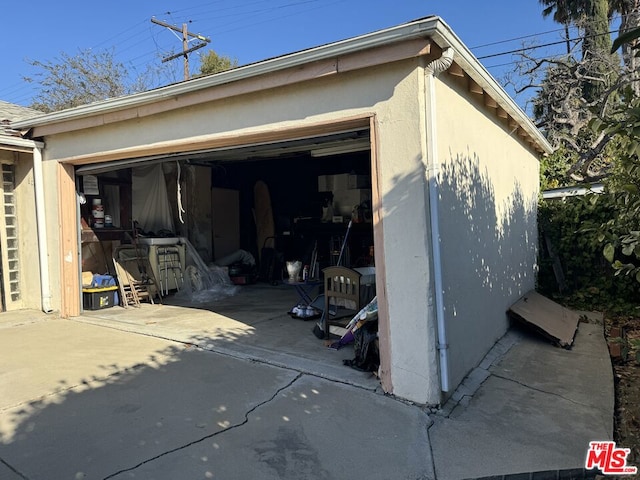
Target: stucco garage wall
{"x": 393, "y": 93}
{"x": 489, "y": 188}
{"x": 331, "y": 97}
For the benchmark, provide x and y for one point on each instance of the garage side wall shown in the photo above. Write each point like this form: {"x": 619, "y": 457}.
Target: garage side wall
{"x": 489, "y": 187}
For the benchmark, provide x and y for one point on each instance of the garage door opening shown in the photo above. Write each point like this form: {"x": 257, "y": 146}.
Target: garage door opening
{"x": 320, "y": 193}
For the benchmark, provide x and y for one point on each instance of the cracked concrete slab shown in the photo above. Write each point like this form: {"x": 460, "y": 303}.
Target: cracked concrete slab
{"x": 7, "y": 473}
{"x": 535, "y": 364}
{"x": 312, "y": 429}
{"x": 88, "y": 400}
{"x": 265, "y": 334}
{"x": 135, "y": 410}
{"x": 533, "y": 413}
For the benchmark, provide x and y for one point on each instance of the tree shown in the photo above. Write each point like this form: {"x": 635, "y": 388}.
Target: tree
{"x": 73, "y": 80}
{"x": 585, "y": 83}
{"x": 563, "y": 12}
{"x": 592, "y": 17}
{"x": 629, "y": 11}
{"x": 622, "y": 231}
{"x": 211, "y": 63}
{"x": 600, "y": 69}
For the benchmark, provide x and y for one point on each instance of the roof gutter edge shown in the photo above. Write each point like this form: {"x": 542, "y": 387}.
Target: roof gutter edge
{"x": 20, "y": 142}
{"x": 418, "y": 28}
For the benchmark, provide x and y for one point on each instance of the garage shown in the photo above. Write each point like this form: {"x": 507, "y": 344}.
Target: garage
{"x": 420, "y": 148}
{"x": 319, "y": 190}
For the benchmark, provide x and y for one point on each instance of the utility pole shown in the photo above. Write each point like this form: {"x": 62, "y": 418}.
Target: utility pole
{"x": 186, "y": 34}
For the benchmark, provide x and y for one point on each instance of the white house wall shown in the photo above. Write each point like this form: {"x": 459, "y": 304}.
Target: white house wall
{"x": 489, "y": 187}
{"x": 393, "y": 93}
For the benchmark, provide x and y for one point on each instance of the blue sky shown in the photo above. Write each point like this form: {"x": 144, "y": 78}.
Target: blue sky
{"x": 249, "y": 30}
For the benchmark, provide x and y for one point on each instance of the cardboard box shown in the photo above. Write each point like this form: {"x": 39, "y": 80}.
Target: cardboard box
{"x": 99, "y": 298}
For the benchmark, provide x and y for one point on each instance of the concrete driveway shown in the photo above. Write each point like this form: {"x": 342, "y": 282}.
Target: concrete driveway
{"x": 84, "y": 400}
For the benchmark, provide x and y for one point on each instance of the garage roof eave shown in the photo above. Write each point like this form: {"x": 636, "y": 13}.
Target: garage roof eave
{"x": 415, "y": 29}
{"x": 432, "y": 27}
{"x": 444, "y": 37}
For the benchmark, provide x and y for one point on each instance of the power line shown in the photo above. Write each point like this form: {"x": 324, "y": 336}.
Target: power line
{"x": 522, "y": 50}
{"x": 186, "y": 35}
{"x": 613, "y": 19}
{"x": 524, "y": 37}
{"x": 132, "y": 38}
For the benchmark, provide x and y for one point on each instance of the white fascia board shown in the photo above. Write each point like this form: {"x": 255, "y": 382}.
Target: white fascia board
{"x": 20, "y": 142}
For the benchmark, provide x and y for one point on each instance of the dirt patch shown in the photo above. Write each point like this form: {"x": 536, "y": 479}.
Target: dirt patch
{"x": 623, "y": 338}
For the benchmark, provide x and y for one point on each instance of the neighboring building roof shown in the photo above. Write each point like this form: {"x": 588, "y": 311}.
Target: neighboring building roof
{"x": 432, "y": 27}
{"x": 9, "y": 113}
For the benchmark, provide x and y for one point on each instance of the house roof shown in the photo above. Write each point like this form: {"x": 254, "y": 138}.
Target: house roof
{"x": 431, "y": 27}
{"x": 10, "y": 113}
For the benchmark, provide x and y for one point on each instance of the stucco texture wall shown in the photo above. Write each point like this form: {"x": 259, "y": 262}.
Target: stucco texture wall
{"x": 406, "y": 245}
{"x": 327, "y": 98}
{"x": 488, "y": 195}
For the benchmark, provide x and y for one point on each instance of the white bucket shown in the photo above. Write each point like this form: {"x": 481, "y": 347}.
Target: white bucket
{"x": 97, "y": 212}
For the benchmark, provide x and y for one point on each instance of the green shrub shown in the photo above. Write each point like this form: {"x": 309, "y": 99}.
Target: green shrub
{"x": 576, "y": 230}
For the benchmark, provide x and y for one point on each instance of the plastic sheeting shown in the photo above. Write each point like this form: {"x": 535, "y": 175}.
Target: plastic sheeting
{"x": 202, "y": 283}
{"x": 150, "y": 201}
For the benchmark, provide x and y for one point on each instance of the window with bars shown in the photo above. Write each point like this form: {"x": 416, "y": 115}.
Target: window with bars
{"x": 12, "y": 276}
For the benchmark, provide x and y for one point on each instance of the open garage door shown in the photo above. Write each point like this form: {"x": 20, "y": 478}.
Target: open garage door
{"x": 316, "y": 185}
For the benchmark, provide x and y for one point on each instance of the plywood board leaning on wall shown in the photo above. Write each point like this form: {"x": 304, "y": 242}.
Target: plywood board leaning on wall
{"x": 97, "y": 257}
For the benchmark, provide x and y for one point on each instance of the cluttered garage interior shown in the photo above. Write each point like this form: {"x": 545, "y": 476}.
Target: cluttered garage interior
{"x": 290, "y": 219}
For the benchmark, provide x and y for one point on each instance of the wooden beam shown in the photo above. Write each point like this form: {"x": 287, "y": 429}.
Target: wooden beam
{"x": 490, "y": 102}
{"x": 456, "y": 70}
{"x": 70, "y": 295}
{"x": 475, "y": 88}
{"x": 502, "y": 113}
{"x": 384, "y": 331}
{"x": 16, "y": 148}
